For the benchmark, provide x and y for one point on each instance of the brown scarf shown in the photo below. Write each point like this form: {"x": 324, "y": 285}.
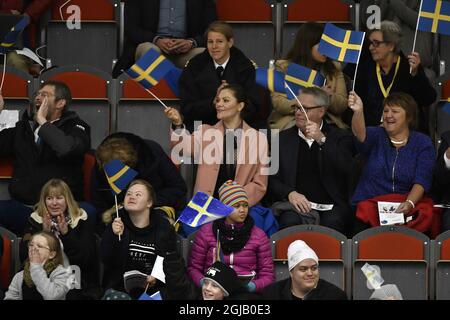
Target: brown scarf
{"x": 49, "y": 266}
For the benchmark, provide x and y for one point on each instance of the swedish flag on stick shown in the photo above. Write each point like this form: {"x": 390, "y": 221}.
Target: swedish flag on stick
{"x": 298, "y": 77}
{"x": 342, "y": 45}
{"x": 203, "y": 209}
{"x": 150, "y": 69}
{"x": 434, "y": 16}
{"x": 118, "y": 175}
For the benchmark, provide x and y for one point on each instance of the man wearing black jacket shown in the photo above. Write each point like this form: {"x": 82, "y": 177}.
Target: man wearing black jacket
{"x": 174, "y": 27}
{"x": 48, "y": 142}
{"x": 316, "y": 167}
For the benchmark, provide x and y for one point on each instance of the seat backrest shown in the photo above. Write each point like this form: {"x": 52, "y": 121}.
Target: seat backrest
{"x": 240, "y": 11}
{"x": 135, "y": 104}
{"x": 18, "y": 87}
{"x": 6, "y": 167}
{"x": 319, "y": 10}
{"x": 98, "y": 10}
{"x": 401, "y": 253}
{"x": 390, "y": 243}
{"x": 88, "y": 164}
{"x": 9, "y": 261}
{"x": 326, "y": 242}
{"x": 443, "y": 246}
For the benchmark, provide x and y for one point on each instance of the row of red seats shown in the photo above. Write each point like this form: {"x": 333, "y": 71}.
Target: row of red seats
{"x": 249, "y": 10}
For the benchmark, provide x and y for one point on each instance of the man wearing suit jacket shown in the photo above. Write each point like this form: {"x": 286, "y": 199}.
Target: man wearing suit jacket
{"x": 316, "y": 167}
{"x": 442, "y": 178}
{"x": 173, "y": 27}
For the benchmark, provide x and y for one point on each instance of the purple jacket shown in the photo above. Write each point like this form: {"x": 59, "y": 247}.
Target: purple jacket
{"x": 255, "y": 256}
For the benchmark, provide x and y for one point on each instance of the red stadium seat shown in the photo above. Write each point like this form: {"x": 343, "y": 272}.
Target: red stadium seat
{"x": 402, "y": 254}
{"x": 330, "y": 246}
{"x": 442, "y": 266}
{"x": 9, "y": 261}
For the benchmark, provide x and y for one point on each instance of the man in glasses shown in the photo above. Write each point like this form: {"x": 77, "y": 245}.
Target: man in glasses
{"x": 315, "y": 177}
{"x": 48, "y": 142}
{"x": 304, "y": 282}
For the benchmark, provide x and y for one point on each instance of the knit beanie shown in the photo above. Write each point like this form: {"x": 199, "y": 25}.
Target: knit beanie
{"x": 224, "y": 277}
{"x": 231, "y": 193}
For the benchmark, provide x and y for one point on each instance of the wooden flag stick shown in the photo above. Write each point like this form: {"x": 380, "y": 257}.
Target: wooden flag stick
{"x": 415, "y": 33}
{"x": 117, "y": 211}
{"x": 298, "y": 101}
{"x": 4, "y": 72}
{"x": 357, "y": 62}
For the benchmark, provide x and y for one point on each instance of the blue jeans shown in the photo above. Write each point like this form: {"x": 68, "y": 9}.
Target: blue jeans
{"x": 14, "y": 215}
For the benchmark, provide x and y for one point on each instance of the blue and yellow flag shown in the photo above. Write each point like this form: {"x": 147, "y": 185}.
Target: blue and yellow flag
{"x": 298, "y": 77}
{"x": 13, "y": 35}
{"x": 203, "y": 209}
{"x": 270, "y": 79}
{"x": 434, "y": 16}
{"x": 150, "y": 69}
{"x": 119, "y": 175}
{"x": 339, "y": 44}
{"x": 173, "y": 77}
{"x": 446, "y": 106}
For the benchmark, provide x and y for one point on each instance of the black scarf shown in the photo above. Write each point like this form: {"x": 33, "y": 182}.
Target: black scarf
{"x": 233, "y": 239}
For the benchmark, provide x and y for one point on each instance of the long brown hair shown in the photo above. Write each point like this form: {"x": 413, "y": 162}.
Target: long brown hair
{"x": 308, "y": 35}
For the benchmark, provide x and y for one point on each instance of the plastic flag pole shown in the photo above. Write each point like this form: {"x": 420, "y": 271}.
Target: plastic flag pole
{"x": 415, "y": 33}
{"x": 357, "y": 62}
{"x": 117, "y": 211}
{"x": 154, "y": 96}
{"x": 298, "y": 101}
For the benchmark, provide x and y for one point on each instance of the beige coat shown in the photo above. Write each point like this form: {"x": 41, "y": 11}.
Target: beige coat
{"x": 282, "y": 116}
{"x": 206, "y": 147}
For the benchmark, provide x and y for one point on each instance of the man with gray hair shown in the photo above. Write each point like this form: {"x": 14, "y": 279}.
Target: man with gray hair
{"x": 316, "y": 175}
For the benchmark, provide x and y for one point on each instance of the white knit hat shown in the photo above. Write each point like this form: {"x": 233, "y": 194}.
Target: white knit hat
{"x": 299, "y": 251}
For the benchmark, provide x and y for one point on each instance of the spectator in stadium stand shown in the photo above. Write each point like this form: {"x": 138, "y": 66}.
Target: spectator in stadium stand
{"x": 173, "y": 27}
{"x": 229, "y": 163}
{"x": 233, "y": 240}
{"x": 132, "y": 240}
{"x": 304, "y": 282}
{"x": 387, "y": 70}
{"x": 148, "y": 159}
{"x": 304, "y": 52}
{"x": 49, "y": 141}
{"x": 58, "y": 212}
{"x": 43, "y": 276}
{"x": 399, "y": 163}
{"x": 207, "y": 73}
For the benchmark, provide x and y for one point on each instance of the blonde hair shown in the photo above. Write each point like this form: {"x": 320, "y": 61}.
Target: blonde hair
{"x": 59, "y": 187}
{"x": 53, "y": 244}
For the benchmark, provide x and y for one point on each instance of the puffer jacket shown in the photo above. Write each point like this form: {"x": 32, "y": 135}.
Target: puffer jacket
{"x": 255, "y": 256}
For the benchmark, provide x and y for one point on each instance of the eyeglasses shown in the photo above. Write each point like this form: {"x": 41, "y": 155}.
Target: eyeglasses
{"x": 307, "y": 110}
{"x": 376, "y": 43}
{"x": 312, "y": 268}
{"x": 43, "y": 94}
{"x": 37, "y": 245}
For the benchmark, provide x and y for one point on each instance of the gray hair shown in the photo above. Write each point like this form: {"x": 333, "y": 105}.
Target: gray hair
{"x": 392, "y": 33}
{"x": 322, "y": 98}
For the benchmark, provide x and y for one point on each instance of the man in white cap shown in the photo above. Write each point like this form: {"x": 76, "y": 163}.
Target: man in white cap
{"x": 304, "y": 282}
